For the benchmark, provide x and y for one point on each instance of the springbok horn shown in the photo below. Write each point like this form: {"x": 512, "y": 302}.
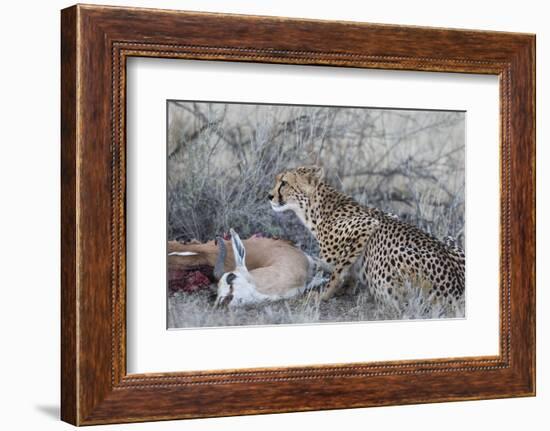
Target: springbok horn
{"x": 220, "y": 261}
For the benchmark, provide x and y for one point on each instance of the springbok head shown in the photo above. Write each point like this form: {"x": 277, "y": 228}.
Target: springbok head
{"x": 236, "y": 287}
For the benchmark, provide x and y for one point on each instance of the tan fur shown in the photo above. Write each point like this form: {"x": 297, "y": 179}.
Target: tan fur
{"x": 276, "y": 265}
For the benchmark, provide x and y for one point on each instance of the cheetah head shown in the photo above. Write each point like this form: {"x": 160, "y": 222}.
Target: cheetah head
{"x": 294, "y": 187}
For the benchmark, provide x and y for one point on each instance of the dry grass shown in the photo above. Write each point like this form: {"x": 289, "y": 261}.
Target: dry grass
{"x": 197, "y": 310}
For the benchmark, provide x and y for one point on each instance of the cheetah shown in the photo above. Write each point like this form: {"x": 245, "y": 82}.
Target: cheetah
{"x": 366, "y": 244}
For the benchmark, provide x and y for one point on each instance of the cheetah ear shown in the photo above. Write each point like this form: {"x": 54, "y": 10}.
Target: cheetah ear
{"x": 317, "y": 173}
{"x": 312, "y": 174}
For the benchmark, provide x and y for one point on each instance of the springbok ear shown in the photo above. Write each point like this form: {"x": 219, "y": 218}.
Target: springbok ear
{"x": 238, "y": 250}
{"x": 220, "y": 260}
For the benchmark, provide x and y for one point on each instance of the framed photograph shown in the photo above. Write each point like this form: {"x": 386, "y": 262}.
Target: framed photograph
{"x": 314, "y": 191}
{"x": 265, "y": 214}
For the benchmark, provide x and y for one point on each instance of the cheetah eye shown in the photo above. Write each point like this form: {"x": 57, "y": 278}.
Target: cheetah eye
{"x": 283, "y": 183}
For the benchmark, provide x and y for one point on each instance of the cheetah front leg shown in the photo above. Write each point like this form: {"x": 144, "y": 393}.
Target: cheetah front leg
{"x": 341, "y": 271}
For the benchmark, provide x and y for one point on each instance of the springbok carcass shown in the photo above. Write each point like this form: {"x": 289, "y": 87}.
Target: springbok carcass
{"x": 250, "y": 271}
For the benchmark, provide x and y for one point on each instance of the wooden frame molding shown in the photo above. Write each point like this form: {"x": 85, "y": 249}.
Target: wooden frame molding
{"x": 95, "y": 43}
